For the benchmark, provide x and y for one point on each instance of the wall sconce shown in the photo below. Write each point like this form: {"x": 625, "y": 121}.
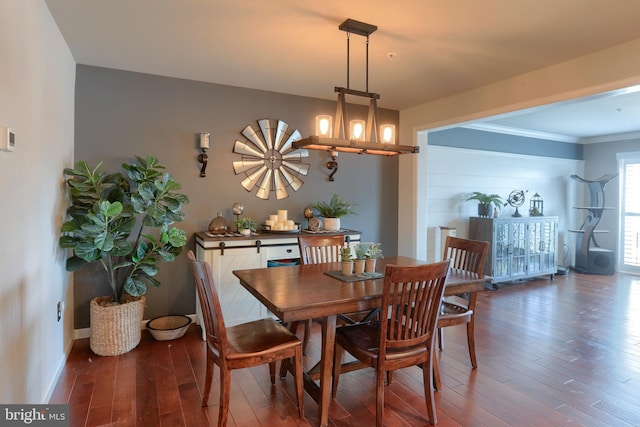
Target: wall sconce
{"x": 333, "y": 164}
{"x": 323, "y": 126}
{"x": 202, "y": 157}
{"x": 388, "y": 134}
{"x": 356, "y": 130}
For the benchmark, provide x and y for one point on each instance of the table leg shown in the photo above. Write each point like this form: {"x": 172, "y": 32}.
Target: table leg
{"x": 326, "y": 367}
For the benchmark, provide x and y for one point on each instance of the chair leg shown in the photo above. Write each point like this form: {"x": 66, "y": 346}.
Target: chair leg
{"x": 427, "y": 379}
{"x": 225, "y": 394}
{"x": 284, "y": 366}
{"x": 298, "y": 379}
{"x": 379, "y": 398}
{"x": 471, "y": 342}
{"x": 208, "y": 380}
{"x": 437, "y": 384}
{"x": 272, "y": 372}
{"x": 337, "y": 365}
{"x": 440, "y": 339}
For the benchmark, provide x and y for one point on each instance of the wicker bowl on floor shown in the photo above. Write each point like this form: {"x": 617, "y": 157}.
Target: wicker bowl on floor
{"x": 166, "y": 328}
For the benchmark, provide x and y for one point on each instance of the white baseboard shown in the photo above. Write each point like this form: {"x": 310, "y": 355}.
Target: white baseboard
{"x": 86, "y": 332}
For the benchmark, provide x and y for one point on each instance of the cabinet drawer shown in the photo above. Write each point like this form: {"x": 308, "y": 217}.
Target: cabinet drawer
{"x": 283, "y": 252}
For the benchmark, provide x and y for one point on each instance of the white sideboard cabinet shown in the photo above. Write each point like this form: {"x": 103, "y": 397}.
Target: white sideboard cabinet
{"x": 228, "y": 253}
{"x": 521, "y": 247}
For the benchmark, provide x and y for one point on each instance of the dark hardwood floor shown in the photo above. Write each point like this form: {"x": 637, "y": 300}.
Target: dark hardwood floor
{"x": 563, "y": 352}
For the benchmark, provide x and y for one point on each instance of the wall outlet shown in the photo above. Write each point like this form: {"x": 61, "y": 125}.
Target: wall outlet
{"x": 60, "y": 308}
{"x": 7, "y": 139}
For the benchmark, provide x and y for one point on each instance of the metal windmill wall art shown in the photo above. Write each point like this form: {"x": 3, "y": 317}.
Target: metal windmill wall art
{"x": 269, "y": 161}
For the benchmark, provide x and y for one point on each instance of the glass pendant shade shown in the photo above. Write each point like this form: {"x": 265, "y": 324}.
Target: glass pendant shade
{"x": 323, "y": 126}
{"x": 356, "y": 130}
{"x": 388, "y": 134}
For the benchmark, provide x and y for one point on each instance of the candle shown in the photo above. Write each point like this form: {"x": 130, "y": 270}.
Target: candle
{"x": 282, "y": 215}
{"x": 273, "y": 218}
{"x": 204, "y": 141}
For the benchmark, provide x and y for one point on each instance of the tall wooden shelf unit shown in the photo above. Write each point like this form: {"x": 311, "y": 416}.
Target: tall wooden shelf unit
{"x": 590, "y": 257}
{"x": 521, "y": 247}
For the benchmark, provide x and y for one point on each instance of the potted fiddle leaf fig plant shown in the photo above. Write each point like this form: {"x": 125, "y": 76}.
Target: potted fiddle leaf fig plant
{"x": 484, "y": 202}
{"x": 333, "y": 210}
{"x": 123, "y": 223}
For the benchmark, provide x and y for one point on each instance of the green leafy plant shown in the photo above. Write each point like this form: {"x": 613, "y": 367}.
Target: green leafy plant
{"x": 337, "y": 207}
{"x": 345, "y": 252}
{"x": 373, "y": 251}
{"x": 246, "y": 223}
{"x": 485, "y": 198}
{"x": 361, "y": 250}
{"x": 123, "y": 222}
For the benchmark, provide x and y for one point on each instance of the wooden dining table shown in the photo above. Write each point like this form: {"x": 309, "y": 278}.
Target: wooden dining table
{"x": 301, "y": 292}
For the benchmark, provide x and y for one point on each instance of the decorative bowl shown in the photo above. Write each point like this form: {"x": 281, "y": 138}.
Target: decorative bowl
{"x": 165, "y": 328}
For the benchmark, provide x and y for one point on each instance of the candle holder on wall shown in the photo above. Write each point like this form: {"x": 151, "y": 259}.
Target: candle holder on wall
{"x": 202, "y": 157}
{"x": 332, "y": 165}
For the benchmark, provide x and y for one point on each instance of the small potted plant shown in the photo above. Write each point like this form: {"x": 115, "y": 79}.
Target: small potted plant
{"x": 484, "y": 202}
{"x": 333, "y": 210}
{"x": 361, "y": 256}
{"x": 245, "y": 226}
{"x": 373, "y": 253}
{"x": 347, "y": 261}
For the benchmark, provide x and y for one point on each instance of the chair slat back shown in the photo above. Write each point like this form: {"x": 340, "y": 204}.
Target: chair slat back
{"x": 465, "y": 254}
{"x": 210, "y": 306}
{"x": 320, "y": 249}
{"x": 413, "y": 294}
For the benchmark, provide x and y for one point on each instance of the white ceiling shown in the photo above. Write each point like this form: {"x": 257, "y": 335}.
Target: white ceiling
{"x": 423, "y": 50}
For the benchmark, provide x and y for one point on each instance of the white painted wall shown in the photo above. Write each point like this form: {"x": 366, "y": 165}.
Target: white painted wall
{"x": 36, "y": 99}
{"x": 456, "y": 172}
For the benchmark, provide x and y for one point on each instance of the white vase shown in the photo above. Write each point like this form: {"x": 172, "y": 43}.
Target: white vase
{"x": 332, "y": 224}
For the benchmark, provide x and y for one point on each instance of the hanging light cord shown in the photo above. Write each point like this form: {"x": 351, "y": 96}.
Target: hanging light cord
{"x": 348, "y": 56}
{"x": 367, "y": 68}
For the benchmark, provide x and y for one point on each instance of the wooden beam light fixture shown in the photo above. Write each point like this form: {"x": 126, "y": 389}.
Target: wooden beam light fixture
{"x": 355, "y": 136}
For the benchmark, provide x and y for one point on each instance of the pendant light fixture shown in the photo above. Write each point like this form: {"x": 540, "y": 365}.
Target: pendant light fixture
{"x": 355, "y": 136}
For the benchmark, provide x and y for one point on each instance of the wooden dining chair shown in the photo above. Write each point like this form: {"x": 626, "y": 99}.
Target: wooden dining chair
{"x": 404, "y": 336}
{"x": 468, "y": 255}
{"x": 241, "y": 346}
{"x": 317, "y": 249}
{"x": 320, "y": 249}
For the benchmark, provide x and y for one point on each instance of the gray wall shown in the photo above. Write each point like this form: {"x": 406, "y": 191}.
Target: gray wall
{"x": 601, "y": 160}
{"x": 121, "y": 114}
{"x": 504, "y": 143}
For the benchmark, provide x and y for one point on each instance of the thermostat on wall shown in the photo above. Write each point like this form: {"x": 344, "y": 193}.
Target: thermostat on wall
{"x": 7, "y": 139}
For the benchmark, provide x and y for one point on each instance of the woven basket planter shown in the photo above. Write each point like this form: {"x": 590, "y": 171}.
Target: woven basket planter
{"x": 115, "y": 328}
